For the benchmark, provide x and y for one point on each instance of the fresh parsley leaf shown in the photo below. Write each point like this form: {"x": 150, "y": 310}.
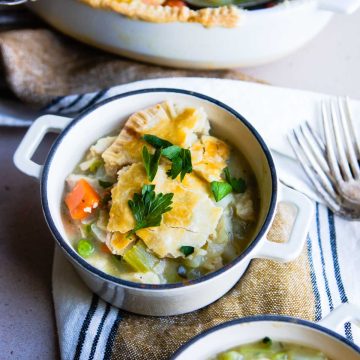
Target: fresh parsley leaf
{"x": 186, "y": 163}
{"x": 181, "y": 161}
{"x": 220, "y": 189}
{"x": 180, "y": 158}
{"x": 105, "y": 184}
{"x": 151, "y": 162}
{"x": 172, "y": 152}
{"x": 148, "y": 207}
{"x": 156, "y": 142}
{"x": 187, "y": 250}
{"x": 176, "y": 168}
{"x": 238, "y": 185}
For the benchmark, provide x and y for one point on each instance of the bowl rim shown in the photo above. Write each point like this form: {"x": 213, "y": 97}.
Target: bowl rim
{"x": 267, "y": 318}
{"x": 70, "y": 251}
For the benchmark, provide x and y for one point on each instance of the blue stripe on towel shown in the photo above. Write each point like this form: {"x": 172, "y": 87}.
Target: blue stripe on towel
{"x": 111, "y": 338}
{"x": 70, "y": 104}
{"x": 340, "y": 285}
{"x": 327, "y": 289}
{"x": 98, "y": 333}
{"x": 313, "y": 281}
{"x": 54, "y": 102}
{"x": 85, "y": 326}
{"x": 93, "y": 100}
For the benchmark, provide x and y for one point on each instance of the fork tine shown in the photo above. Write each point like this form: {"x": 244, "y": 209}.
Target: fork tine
{"x": 330, "y": 146}
{"x": 316, "y": 137}
{"x": 349, "y": 143}
{"x": 322, "y": 177}
{"x": 328, "y": 199}
{"x": 342, "y": 160}
{"x": 310, "y": 136}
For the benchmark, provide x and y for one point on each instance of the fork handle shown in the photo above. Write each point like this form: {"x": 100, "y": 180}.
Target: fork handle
{"x": 342, "y": 6}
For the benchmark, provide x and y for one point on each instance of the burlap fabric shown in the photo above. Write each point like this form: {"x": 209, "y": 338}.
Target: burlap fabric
{"x": 40, "y": 65}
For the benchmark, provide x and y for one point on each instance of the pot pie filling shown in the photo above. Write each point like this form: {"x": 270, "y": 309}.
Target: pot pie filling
{"x": 163, "y": 200}
{"x": 268, "y": 349}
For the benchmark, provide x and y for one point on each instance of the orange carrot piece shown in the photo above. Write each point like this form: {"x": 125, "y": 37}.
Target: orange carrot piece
{"x": 82, "y": 200}
{"x": 174, "y": 3}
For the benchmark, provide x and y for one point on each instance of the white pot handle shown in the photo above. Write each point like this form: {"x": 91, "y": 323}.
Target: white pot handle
{"x": 291, "y": 249}
{"x": 342, "y": 314}
{"x": 340, "y": 6}
{"x": 31, "y": 141}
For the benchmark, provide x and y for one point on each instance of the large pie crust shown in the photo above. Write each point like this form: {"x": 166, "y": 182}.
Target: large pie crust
{"x": 224, "y": 16}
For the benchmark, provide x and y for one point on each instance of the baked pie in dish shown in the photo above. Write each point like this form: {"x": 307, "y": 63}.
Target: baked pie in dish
{"x": 161, "y": 201}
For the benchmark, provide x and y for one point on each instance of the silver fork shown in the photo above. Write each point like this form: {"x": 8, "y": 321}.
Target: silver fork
{"x": 333, "y": 169}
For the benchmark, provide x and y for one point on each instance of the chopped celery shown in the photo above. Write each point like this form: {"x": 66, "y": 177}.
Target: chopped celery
{"x": 139, "y": 258}
{"x": 230, "y": 355}
{"x": 95, "y": 165}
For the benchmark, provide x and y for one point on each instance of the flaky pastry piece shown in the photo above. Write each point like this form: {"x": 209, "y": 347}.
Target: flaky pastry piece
{"x": 191, "y": 221}
{"x": 180, "y": 126}
{"x": 223, "y": 16}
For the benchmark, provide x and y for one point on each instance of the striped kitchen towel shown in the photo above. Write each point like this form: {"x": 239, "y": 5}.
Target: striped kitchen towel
{"x": 324, "y": 276}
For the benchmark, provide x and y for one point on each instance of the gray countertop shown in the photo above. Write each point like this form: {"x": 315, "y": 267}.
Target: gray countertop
{"x": 27, "y": 325}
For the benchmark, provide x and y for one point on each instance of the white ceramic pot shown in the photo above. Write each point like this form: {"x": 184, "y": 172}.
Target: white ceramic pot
{"x": 263, "y": 35}
{"x": 76, "y": 137}
{"x": 322, "y": 336}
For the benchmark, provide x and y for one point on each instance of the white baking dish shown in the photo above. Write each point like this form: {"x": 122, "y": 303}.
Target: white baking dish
{"x": 76, "y": 137}
{"x": 322, "y": 336}
{"x": 261, "y": 37}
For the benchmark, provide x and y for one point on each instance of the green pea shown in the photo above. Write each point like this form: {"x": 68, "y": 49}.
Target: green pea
{"x": 85, "y": 248}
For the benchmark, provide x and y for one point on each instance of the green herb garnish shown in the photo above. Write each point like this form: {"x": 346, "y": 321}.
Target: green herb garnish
{"x": 151, "y": 162}
{"x": 181, "y": 161}
{"x": 187, "y": 250}
{"x": 180, "y": 158}
{"x": 267, "y": 341}
{"x": 156, "y": 142}
{"x": 172, "y": 152}
{"x": 105, "y": 184}
{"x": 238, "y": 185}
{"x": 220, "y": 189}
{"x": 148, "y": 207}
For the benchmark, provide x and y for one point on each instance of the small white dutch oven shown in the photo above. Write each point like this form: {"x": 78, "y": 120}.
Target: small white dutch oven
{"x": 322, "y": 336}
{"x": 76, "y": 137}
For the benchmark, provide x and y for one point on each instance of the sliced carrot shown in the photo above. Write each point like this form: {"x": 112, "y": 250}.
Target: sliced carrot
{"x": 175, "y": 3}
{"x": 82, "y": 200}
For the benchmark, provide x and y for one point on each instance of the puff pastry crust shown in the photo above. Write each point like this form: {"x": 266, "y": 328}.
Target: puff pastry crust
{"x": 224, "y": 16}
{"x": 180, "y": 126}
{"x": 191, "y": 221}
{"x": 209, "y": 157}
